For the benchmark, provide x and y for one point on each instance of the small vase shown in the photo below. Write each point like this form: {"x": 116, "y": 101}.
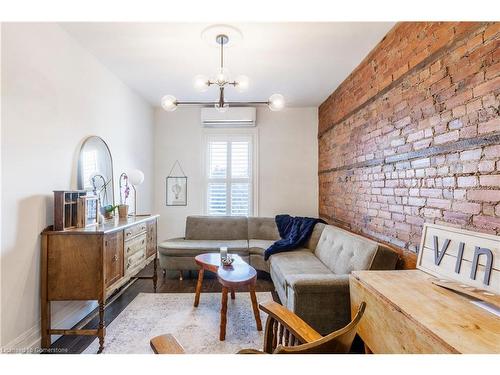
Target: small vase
{"x": 108, "y": 215}
{"x": 123, "y": 211}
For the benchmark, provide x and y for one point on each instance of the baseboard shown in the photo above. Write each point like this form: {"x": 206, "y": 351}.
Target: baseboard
{"x": 65, "y": 316}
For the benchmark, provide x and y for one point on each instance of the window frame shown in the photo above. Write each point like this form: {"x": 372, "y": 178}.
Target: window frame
{"x": 232, "y": 135}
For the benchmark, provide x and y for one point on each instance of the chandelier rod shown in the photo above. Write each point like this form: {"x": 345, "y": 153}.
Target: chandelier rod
{"x": 221, "y": 53}
{"x": 229, "y": 103}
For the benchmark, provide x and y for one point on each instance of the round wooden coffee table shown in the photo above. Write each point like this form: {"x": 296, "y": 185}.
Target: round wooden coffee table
{"x": 238, "y": 274}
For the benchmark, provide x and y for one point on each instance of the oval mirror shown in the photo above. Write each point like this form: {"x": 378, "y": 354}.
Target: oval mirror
{"x": 95, "y": 170}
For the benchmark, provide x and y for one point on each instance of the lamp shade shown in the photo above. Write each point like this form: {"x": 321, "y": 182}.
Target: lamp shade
{"x": 135, "y": 177}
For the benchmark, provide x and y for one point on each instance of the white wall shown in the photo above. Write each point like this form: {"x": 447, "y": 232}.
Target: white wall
{"x": 54, "y": 94}
{"x": 288, "y": 155}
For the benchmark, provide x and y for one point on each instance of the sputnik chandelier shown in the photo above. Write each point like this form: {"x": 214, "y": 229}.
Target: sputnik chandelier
{"x": 276, "y": 102}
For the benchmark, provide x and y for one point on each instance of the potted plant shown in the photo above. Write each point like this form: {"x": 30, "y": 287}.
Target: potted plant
{"x": 124, "y": 194}
{"x": 109, "y": 211}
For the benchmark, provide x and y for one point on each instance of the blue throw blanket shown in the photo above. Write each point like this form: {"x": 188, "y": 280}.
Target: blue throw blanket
{"x": 294, "y": 232}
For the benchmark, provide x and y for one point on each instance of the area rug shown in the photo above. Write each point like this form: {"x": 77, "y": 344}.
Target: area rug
{"x": 196, "y": 328}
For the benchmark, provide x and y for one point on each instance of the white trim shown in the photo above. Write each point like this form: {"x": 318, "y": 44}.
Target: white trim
{"x": 231, "y": 133}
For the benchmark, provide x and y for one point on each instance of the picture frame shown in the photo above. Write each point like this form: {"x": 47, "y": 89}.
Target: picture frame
{"x": 88, "y": 211}
{"x": 176, "y": 191}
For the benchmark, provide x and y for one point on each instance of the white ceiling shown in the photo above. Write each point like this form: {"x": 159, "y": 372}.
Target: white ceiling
{"x": 303, "y": 61}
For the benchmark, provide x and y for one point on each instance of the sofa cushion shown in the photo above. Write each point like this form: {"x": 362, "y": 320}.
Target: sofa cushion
{"x": 296, "y": 262}
{"x": 258, "y": 246}
{"x": 343, "y": 252}
{"x": 183, "y": 247}
{"x": 263, "y": 228}
{"x": 216, "y": 228}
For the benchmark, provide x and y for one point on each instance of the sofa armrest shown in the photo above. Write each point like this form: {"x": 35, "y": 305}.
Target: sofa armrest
{"x": 314, "y": 283}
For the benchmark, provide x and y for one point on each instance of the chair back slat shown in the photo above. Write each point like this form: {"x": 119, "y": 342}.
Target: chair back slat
{"x": 339, "y": 341}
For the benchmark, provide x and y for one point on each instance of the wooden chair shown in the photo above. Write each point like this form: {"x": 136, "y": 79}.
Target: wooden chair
{"x": 285, "y": 333}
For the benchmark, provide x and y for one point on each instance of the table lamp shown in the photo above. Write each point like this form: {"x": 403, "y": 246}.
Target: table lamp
{"x": 135, "y": 177}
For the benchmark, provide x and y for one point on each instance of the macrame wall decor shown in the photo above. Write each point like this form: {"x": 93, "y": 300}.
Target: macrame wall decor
{"x": 176, "y": 186}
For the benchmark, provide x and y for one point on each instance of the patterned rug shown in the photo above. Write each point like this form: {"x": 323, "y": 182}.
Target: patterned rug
{"x": 196, "y": 328}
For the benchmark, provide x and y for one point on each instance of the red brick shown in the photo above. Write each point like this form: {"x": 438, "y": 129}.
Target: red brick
{"x": 488, "y": 127}
{"x": 447, "y": 137}
{"x": 490, "y": 180}
{"x": 470, "y": 155}
{"x": 457, "y": 217}
{"x": 432, "y": 212}
{"x": 431, "y": 193}
{"x": 487, "y": 87}
{"x": 487, "y": 222}
{"x": 438, "y": 203}
{"x": 469, "y": 181}
{"x": 458, "y": 99}
{"x": 486, "y": 166}
{"x": 491, "y": 152}
{"x": 466, "y": 207}
{"x": 484, "y": 195}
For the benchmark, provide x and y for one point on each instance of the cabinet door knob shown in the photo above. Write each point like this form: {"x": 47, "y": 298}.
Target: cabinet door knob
{"x": 115, "y": 258}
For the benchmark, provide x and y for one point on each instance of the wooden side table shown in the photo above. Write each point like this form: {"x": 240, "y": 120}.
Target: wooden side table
{"x": 231, "y": 277}
{"x": 239, "y": 274}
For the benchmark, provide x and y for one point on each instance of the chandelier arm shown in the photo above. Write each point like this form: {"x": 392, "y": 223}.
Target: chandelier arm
{"x": 195, "y": 103}
{"x": 244, "y": 104}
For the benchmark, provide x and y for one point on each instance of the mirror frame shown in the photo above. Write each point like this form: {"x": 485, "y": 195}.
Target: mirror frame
{"x": 79, "y": 178}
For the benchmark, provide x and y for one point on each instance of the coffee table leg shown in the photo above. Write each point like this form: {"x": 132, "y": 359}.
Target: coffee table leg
{"x": 232, "y": 294}
{"x": 223, "y": 313}
{"x": 255, "y": 307}
{"x": 198, "y": 288}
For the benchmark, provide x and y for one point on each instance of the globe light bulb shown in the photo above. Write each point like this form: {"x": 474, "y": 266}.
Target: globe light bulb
{"x": 222, "y": 76}
{"x": 276, "y": 102}
{"x": 200, "y": 83}
{"x": 169, "y": 103}
{"x": 222, "y": 109}
{"x": 242, "y": 83}
{"x": 136, "y": 177}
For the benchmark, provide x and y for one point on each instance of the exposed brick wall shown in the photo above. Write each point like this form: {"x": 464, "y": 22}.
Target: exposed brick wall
{"x": 413, "y": 135}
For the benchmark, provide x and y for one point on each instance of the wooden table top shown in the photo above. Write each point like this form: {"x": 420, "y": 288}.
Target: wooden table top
{"x": 213, "y": 259}
{"x": 236, "y": 274}
{"x": 446, "y": 316}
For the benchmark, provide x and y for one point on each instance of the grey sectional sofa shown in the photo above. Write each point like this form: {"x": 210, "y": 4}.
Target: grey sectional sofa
{"x": 312, "y": 281}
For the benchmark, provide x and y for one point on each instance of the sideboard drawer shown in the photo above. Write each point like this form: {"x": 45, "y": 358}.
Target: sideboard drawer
{"x": 135, "y": 230}
{"x": 135, "y": 244}
{"x": 134, "y": 261}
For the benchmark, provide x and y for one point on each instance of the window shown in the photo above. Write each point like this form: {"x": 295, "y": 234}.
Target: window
{"x": 229, "y": 175}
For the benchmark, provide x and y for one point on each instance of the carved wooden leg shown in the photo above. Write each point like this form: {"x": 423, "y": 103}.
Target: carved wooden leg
{"x": 255, "y": 307}
{"x": 102, "y": 331}
{"x": 233, "y": 296}
{"x": 198, "y": 287}
{"x": 45, "y": 324}
{"x": 155, "y": 271}
{"x": 223, "y": 314}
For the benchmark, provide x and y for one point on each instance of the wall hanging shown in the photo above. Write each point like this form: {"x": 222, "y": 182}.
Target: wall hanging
{"x": 176, "y": 187}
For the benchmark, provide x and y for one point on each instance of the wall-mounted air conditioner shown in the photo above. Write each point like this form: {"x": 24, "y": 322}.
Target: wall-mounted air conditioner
{"x": 234, "y": 117}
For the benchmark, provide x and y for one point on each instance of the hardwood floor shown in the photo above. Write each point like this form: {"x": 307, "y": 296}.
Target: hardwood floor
{"x": 77, "y": 344}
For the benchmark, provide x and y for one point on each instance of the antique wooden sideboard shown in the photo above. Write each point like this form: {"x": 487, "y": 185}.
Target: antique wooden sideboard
{"x": 91, "y": 263}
